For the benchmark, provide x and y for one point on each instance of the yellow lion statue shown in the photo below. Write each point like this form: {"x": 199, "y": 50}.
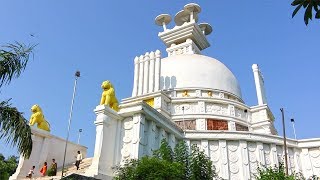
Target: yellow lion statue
{"x": 108, "y": 97}
{"x": 38, "y": 117}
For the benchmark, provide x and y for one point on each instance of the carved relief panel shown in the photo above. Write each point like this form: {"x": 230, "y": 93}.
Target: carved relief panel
{"x": 220, "y": 109}
{"x": 188, "y": 124}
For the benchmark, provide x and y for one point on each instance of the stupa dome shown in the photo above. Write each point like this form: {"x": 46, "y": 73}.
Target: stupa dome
{"x": 197, "y": 71}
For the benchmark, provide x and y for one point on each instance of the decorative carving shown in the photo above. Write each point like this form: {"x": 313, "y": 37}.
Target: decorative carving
{"x": 201, "y": 107}
{"x": 188, "y": 108}
{"x": 127, "y": 139}
{"x": 127, "y": 125}
{"x": 214, "y": 145}
{"x": 233, "y": 146}
{"x": 209, "y": 93}
{"x": 232, "y": 111}
{"x": 233, "y": 157}
{"x": 198, "y": 93}
{"x": 234, "y": 168}
{"x": 188, "y": 124}
{"x": 240, "y": 127}
{"x": 266, "y": 148}
{"x": 125, "y": 151}
{"x": 157, "y": 102}
{"x": 108, "y": 96}
{"x": 221, "y": 95}
{"x": 217, "y": 109}
{"x": 240, "y": 113}
{"x": 185, "y": 93}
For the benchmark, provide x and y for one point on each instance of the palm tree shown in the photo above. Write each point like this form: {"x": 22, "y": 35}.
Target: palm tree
{"x": 14, "y": 128}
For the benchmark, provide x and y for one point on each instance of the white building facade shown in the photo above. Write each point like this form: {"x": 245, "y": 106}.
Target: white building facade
{"x": 191, "y": 97}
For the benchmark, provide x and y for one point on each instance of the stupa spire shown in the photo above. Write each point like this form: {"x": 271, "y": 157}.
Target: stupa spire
{"x": 187, "y": 37}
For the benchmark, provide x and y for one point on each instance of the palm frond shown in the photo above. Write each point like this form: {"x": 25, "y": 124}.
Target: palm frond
{"x": 14, "y": 129}
{"x": 13, "y": 60}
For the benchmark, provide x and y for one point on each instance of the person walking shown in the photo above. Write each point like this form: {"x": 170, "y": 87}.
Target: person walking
{"x": 43, "y": 170}
{"x": 79, "y": 159}
{"x": 54, "y": 167}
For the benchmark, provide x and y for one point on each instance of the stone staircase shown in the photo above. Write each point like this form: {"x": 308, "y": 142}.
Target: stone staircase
{"x": 70, "y": 169}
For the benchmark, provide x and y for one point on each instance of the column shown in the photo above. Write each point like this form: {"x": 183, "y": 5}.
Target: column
{"x": 259, "y": 84}
{"x": 140, "y": 84}
{"x": 297, "y": 160}
{"x": 105, "y": 144}
{"x": 205, "y": 147}
{"x": 157, "y": 71}
{"x": 146, "y": 73}
{"x": 200, "y": 124}
{"x": 151, "y": 72}
{"x": 136, "y": 77}
{"x": 231, "y": 126}
{"x": 260, "y": 153}
{"x": 151, "y": 138}
{"x": 244, "y": 156}
{"x": 224, "y": 159}
{"x": 274, "y": 155}
{"x": 138, "y": 129}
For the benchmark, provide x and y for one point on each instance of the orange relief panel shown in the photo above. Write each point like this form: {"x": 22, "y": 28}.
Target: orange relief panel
{"x": 213, "y": 124}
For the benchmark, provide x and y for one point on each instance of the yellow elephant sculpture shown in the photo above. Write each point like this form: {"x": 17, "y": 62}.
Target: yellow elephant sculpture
{"x": 38, "y": 117}
{"x": 108, "y": 97}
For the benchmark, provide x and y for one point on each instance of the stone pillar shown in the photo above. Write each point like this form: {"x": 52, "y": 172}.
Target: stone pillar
{"x": 259, "y": 84}
{"x": 224, "y": 169}
{"x": 136, "y": 77}
{"x": 200, "y": 124}
{"x": 40, "y": 150}
{"x": 231, "y": 126}
{"x": 138, "y": 130}
{"x": 151, "y": 72}
{"x": 297, "y": 160}
{"x": 273, "y": 154}
{"x": 140, "y": 84}
{"x": 260, "y": 153}
{"x": 157, "y": 71}
{"x": 151, "y": 138}
{"x": 244, "y": 156}
{"x": 205, "y": 147}
{"x": 104, "y": 150}
{"x": 146, "y": 73}
{"x": 307, "y": 169}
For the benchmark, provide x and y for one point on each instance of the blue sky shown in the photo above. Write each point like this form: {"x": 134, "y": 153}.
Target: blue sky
{"x": 101, "y": 39}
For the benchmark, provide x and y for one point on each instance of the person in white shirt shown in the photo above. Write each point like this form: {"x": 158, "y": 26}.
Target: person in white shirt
{"x": 30, "y": 172}
{"x": 79, "y": 159}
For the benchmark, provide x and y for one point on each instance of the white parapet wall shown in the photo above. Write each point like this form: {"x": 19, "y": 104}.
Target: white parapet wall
{"x": 237, "y": 155}
{"x": 45, "y": 148}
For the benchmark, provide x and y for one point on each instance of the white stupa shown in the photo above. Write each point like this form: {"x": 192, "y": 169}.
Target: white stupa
{"x": 192, "y": 97}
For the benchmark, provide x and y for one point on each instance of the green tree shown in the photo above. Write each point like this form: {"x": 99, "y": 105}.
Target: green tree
{"x": 164, "y": 152}
{"x": 166, "y": 165}
{"x": 181, "y": 155}
{"x": 200, "y": 165}
{"x": 14, "y": 128}
{"x": 276, "y": 173}
{"x": 7, "y": 166}
{"x": 309, "y": 6}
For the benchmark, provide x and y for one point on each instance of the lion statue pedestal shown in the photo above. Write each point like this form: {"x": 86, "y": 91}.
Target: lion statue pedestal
{"x": 108, "y": 127}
